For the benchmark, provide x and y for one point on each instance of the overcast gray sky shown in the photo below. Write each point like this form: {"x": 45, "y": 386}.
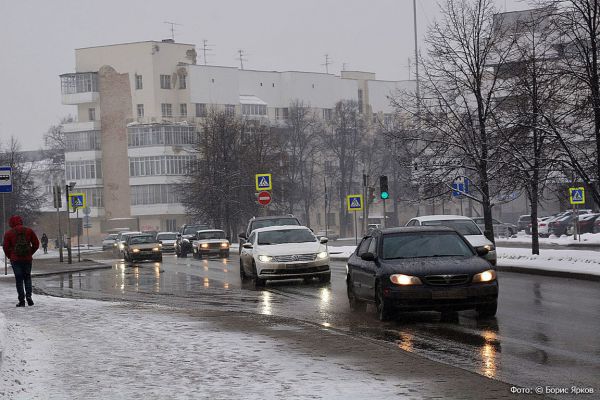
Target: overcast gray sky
{"x": 39, "y": 38}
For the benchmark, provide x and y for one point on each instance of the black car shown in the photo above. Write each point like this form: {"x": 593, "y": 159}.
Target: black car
{"x": 185, "y": 237}
{"x": 263, "y": 222}
{"x": 420, "y": 269}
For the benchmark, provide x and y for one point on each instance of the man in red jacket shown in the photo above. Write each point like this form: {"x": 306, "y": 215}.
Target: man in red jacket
{"x": 19, "y": 245}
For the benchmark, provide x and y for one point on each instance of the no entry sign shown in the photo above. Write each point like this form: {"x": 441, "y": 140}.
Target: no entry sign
{"x": 264, "y": 198}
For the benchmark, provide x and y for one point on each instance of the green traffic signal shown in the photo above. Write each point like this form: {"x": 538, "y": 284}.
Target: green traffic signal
{"x": 385, "y": 195}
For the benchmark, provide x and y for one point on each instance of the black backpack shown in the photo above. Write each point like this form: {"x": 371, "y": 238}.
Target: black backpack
{"x": 22, "y": 246}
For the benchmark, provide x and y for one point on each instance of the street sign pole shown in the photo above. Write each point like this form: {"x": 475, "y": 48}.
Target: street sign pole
{"x": 69, "y": 254}
{"x": 4, "y": 232}
{"x": 6, "y": 186}
{"x": 383, "y": 222}
{"x": 355, "y": 231}
{"x": 78, "y": 229}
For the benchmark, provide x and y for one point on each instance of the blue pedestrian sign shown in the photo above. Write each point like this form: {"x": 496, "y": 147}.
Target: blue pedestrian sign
{"x": 577, "y": 195}
{"x": 6, "y": 180}
{"x": 460, "y": 186}
{"x": 354, "y": 202}
{"x": 263, "y": 182}
{"x": 77, "y": 200}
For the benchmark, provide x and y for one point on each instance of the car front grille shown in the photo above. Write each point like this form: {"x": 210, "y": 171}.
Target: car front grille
{"x": 446, "y": 280}
{"x": 295, "y": 258}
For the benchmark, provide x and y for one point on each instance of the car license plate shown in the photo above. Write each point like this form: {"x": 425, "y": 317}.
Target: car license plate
{"x": 292, "y": 266}
{"x": 449, "y": 294}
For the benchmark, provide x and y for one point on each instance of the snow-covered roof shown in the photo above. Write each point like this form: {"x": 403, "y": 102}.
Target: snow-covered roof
{"x": 279, "y": 228}
{"x": 441, "y": 218}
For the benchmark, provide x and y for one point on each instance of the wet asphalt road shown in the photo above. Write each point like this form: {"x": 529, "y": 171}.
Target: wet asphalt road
{"x": 545, "y": 333}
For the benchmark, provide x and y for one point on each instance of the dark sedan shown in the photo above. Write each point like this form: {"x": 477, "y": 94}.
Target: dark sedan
{"x": 420, "y": 269}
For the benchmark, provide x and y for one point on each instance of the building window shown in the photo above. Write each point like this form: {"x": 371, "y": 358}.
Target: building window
{"x": 154, "y": 194}
{"x": 85, "y": 169}
{"x": 327, "y": 114}
{"x": 182, "y": 81}
{"x": 183, "y": 110}
{"x": 281, "y": 113}
{"x": 166, "y": 109}
{"x": 82, "y": 141}
{"x": 140, "y": 110}
{"x": 91, "y": 114}
{"x": 200, "y": 110}
{"x": 165, "y": 81}
{"x": 93, "y": 197}
{"x": 79, "y": 82}
{"x": 160, "y": 165}
{"x": 160, "y": 135}
{"x": 138, "y": 82}
{"x": 254, "y": 109}
{"x": 230, "y": 110}
{"x": 171, "y": 225}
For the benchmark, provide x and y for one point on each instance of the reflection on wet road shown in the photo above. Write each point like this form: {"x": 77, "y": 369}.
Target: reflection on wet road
{"x": 545, "y": 332}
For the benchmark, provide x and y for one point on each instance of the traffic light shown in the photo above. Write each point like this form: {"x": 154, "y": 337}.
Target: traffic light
{"x": 383, "y": 187}
{"x": 57, "y": 196}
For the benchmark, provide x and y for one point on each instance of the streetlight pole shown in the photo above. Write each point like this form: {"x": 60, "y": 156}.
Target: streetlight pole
{"x": 68, "y": 187}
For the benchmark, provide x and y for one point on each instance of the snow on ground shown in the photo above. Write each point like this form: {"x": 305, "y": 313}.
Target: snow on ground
{"x": 76, "y": 349}
{"x": 567, "y": 260}
{"x": 586, "y": 238}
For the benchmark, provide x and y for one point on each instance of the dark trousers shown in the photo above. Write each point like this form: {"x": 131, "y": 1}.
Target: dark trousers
{"x": 22, "y": 270}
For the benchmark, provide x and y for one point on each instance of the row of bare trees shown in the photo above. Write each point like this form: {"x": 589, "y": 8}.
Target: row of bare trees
{"x": 509, "y": 100}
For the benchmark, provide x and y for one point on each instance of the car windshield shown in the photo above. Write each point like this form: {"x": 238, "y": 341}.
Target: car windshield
{"x": 167, "y": 236}
{"x": 192, "y": 229}
{"x": 286, "y": 236}
{"x": 142, "y": 239}
{"x": 464, "y": 226}
{"x": 274, "y": 222}
{"x": 210, "y": 235}
{"x": 111, "y": 237}
{"x": 430, "y": 244}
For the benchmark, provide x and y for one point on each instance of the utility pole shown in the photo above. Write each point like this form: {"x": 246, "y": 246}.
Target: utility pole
{"x": 172, "y": 28}
{"x": 241, "y": 58}
{"x": 205, "y": 49}
{"x": 328, "y": 62}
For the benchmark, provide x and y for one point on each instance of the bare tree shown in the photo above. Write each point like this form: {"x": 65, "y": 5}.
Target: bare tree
{"x": 55, "y": 145}
{"x": 455, "y": 131}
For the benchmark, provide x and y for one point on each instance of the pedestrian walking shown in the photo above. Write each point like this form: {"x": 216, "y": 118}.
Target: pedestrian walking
{"x": 19, "y": 245}
{"x": 44, "y": 241}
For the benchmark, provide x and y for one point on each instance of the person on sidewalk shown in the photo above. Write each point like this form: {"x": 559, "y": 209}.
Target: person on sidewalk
{"x": 44, "y": 241}
{"x": 19, "y": 245}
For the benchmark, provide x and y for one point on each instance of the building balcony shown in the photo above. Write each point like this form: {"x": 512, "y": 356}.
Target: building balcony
{"x": 85, "y": 126}
{"x": 79, "y": 88}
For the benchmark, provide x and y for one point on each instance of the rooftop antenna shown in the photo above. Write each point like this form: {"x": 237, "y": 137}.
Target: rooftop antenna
{"x": 344, "y": 66}
{"x": 206, "y": 48}
{"x": 241, "y": 58}
{"x": 172, "y": 28}
{"x": 328, "y": 62}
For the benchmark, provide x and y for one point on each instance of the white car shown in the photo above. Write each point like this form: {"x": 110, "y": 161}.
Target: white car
{"x": 463, "y": 225}
{"x": 284, "y": 252}
{"x": 167, "y": 239}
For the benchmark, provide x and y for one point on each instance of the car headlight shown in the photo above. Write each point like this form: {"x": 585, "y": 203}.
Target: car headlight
{"x": 265, "y": 258}
{"x": 224, "y": 245}
{"x": 156, "y": 249}
{"x": 489, "y": 247}
{"x": 204, "y": 245}
{"x": 405, "y": 280}
{"x": 136, "y": 250}
{"x": 485, "y": 276}
{"x": 322, "y": 255}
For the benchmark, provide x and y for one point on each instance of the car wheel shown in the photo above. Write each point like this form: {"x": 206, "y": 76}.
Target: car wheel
{"x": 258, "y": 282}
{"x": 355, "y": 303}
{"x": 199, "y": 256}
{"x": 243, "y": 275}
{"x": 325, "y": 278}
{"x": 487, "y": 310}
{"x": 384, "y": 308}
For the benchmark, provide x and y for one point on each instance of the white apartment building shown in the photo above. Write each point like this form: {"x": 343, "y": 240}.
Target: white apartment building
{"x": 138, "y": 110}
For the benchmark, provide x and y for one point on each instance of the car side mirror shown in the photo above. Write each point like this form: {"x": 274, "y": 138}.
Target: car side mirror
{"x": 243, "y": 235}
{"x": 247, "y": 245}
{"x": 179, "y": 236}
{"x": 482, "y": 251}
{"x": 323, "y": 240}
{"x": 368, "y": 256}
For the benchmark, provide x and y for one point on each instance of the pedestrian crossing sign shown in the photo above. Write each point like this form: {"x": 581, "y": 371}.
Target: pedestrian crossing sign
{"x": 263, "y": 182}
{"x": 77, "y": 200}
{"x": 354, "y": 202}
{"x": 577, "y": 195}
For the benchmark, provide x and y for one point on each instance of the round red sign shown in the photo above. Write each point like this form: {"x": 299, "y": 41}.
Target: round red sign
{"x": 264, "y": 198}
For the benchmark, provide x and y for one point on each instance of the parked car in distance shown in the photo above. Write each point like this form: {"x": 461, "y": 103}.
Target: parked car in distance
{"x": 420, "y": 268}
{"x": 185, "y": 236}
{"x": 541, "y": 222}
{"x": 586, "y": 223}
{"x": 562, "y": 225}
{"x": 463, "y": 225}
{"x": 109, "y": 241}
{"x": 263, "y": 222}
{"x": 501, "y": 229}
{"x": 142, "y": 246}
{"x": 167, "y": 239}
{"x": 284, "y": 252}
{"x": 210, "y": 241}
{"x": 523, "y": 222}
